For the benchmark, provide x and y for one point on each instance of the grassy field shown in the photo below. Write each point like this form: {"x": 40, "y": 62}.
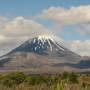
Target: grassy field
{"x": 65, "y": 81}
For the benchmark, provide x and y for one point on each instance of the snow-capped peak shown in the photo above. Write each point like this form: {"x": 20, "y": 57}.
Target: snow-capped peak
{"x": 42, "y": 41}
{"x": 45, "y": 42}
{"x": 45, "y": 37}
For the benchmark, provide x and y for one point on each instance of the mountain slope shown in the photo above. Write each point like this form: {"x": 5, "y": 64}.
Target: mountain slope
{"x": 40, "y": 51}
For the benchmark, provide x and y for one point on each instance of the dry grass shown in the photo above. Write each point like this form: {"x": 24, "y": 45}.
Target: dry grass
{"x": 63, "y": 82}
{"x": 58, "y": 86}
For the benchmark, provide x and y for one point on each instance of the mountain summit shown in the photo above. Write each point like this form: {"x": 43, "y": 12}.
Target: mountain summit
{"x": 41, "y": 45}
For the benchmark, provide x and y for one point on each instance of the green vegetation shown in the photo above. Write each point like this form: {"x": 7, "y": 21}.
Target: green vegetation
{"x": 65, "y": 81}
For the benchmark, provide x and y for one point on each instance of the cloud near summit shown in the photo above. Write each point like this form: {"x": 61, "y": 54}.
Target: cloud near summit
{"x": 17, "y": 30}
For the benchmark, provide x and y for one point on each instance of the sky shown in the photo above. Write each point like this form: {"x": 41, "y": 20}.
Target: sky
{"x": 67, "y": 19}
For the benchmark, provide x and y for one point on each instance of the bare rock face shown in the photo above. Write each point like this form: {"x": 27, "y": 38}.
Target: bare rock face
{"x": 37, "y": 52}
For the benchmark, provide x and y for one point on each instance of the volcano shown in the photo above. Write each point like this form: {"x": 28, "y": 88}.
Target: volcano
{"x": 39, "y": 53}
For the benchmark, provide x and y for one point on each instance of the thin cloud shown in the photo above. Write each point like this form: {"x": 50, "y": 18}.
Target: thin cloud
{"x": 81, "y": 47}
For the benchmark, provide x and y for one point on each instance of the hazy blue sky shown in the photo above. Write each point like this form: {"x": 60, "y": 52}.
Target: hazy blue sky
{"x": 33, "y": 7}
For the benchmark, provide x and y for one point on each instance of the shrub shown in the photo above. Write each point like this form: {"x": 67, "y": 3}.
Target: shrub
{"x": 39, "y": 80}
{"x": 33, "y": 80}
{"x": 65, "y": 75}
{"x": 73, "y": 78}
{"x": 12, "y": 78}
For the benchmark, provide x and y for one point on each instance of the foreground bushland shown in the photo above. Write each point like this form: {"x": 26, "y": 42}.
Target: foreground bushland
{"x": 65, "y": 81}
